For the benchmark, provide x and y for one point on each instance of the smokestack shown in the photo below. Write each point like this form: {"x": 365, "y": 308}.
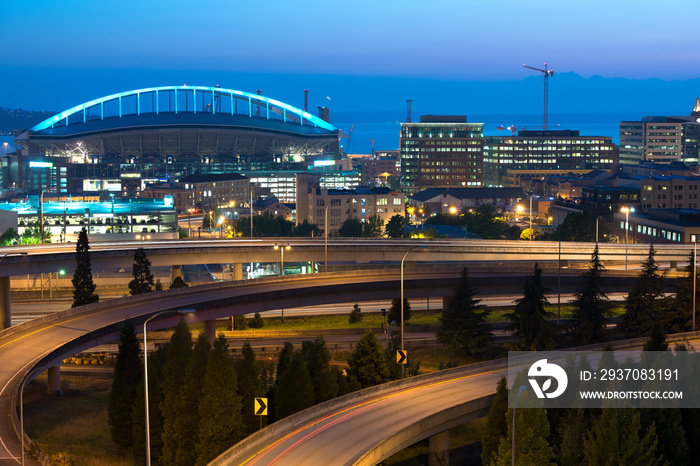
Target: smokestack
{"x": 306, "y": 100}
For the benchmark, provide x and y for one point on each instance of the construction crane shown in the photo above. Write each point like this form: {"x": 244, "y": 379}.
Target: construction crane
{"x": 547, "y": 74}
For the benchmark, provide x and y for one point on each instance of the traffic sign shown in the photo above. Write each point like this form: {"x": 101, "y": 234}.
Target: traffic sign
{"x": 261, "y": 406}
{"x": 401, "y": 356}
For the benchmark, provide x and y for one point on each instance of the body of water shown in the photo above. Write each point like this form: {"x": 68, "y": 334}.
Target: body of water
{"x": 384, "y": 127}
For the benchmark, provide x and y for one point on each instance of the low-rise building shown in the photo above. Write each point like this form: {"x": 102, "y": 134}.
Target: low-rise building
{"x": 670, "y": 192}
{"x": 343, "y": 204}
{"x": 115, "y": 220}
{"x": 664, "y": 226}
{"x": 435, "y": 200}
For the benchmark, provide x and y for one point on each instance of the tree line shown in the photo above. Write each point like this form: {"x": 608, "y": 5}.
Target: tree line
{"x": 201, "y": 400}
{"x": 593, "y": 436}
{"x": 532, "y": 326}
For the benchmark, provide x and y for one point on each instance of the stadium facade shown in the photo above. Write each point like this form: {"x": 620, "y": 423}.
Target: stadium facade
{"x": 169, "y": 131}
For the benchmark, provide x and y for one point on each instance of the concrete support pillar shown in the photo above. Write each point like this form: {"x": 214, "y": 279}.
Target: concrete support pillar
{"x": 238, "y": 271}
{"x": 674, "y": 265}
{"x": 54, "y": 376}
{"x": 210, "y": 330}
{"x": 439, "y": 449}
{"x": 175, "y": 271}
{"x": 5, "y": 309}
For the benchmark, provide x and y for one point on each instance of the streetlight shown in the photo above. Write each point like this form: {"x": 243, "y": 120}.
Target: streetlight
{"x": 695, "y": 261}
{"x": 41, "y": 216}
{"x": 5, "y": 146}
{"x": 626, "y": 211}
{"x": 402, "y": 261}
{"x": 221, "y": 222}
{"x": 530, "y": 216}
{"x": 145, "y": 374}
{"x": 282, "y": 248}
{"x": 559, "y": 278}
{"x": 515, "y": 407}
{"x": 325, "y": 231}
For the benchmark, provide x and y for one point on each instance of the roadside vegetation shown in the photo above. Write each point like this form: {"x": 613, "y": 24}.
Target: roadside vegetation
{"x": 301, "y": 375}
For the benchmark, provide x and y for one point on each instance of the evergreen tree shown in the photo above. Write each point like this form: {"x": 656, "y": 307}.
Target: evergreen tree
{"x": 249, "y": 386}
{"x": 221, "y": 424}
{"x": 143, "y": 278}
{"x": 575, "y": 427}
{"x": 531, "y": 445}
{"x": 159, "y": 285}
{"x": 529, "y": 322}
{"x": 395, "y": 311}
{"x": 591, "y": 306}
{"x": 284, "y": 358}
{"x": 178, "y": 282}
{"x": 643, "y": 303}
{"x": 188, "y": 411}
{"x": 239, "y": 323}
{"x": 355, "y": 315}
{"x": 128, "y": 371}
{"x": 679, "y": 317}
{"x": 295, "y": 390}
{"x": 319, "y": 362}
{"x": 368, "y": 363}
{"x": 174, "y": 377}
{"x": 668, "y": 423}
{"x": 496, "y": 424}
{"x": 462, "y": 326}
{"x": 657, "y": 339}
{"x": 83, "y": 286}
{"x": 617, "y": 437}
{"x": 257, "y": 321}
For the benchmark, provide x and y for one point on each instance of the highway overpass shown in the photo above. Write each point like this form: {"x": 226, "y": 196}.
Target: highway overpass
{"x": 342, "y": 254}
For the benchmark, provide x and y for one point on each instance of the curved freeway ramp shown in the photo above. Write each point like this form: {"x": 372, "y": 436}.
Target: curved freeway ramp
{"x": 368, "y": 426}
{"x": 29, "y": 348}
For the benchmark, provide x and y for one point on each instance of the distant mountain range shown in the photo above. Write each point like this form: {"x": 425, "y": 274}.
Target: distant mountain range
{"x": 569, "y": 93}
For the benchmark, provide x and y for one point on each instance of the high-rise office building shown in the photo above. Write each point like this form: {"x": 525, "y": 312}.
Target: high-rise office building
{"x": 533, "y": 153}
{"x": 441, "y": 151}
{"x": 661, "y": 139}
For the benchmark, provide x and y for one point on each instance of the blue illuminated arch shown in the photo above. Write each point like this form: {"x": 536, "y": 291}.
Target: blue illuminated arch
{"x": 252, "y": 100}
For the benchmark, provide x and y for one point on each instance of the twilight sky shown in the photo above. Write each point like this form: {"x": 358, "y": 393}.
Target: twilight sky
{"x": 58, "y": 54}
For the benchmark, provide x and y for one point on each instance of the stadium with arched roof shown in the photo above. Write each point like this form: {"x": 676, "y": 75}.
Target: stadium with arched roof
{"x": 180, "y": 130}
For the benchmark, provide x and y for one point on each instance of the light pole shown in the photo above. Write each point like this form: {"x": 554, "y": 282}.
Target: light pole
{"x": 145, "y": 374}
{"x": 251, "y": 211}
{"x": 402, "y": 261}
{"x": 626, "y": 211}
{"x": 515, "y": 407}
{"x": 559, "y": 278}
{"x": 325, "y": 231}
{"x": 282, "y": 247}
{"x": 695, "y": 261}
{"x": 41, "y": 216}
{"x": 531, "y": 217}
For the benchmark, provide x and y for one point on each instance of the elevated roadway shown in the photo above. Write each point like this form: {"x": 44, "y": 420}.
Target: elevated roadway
{"x": 368, "y": 251}
{"x": 368, "y": 426}
{"x": 41, "y": 343}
